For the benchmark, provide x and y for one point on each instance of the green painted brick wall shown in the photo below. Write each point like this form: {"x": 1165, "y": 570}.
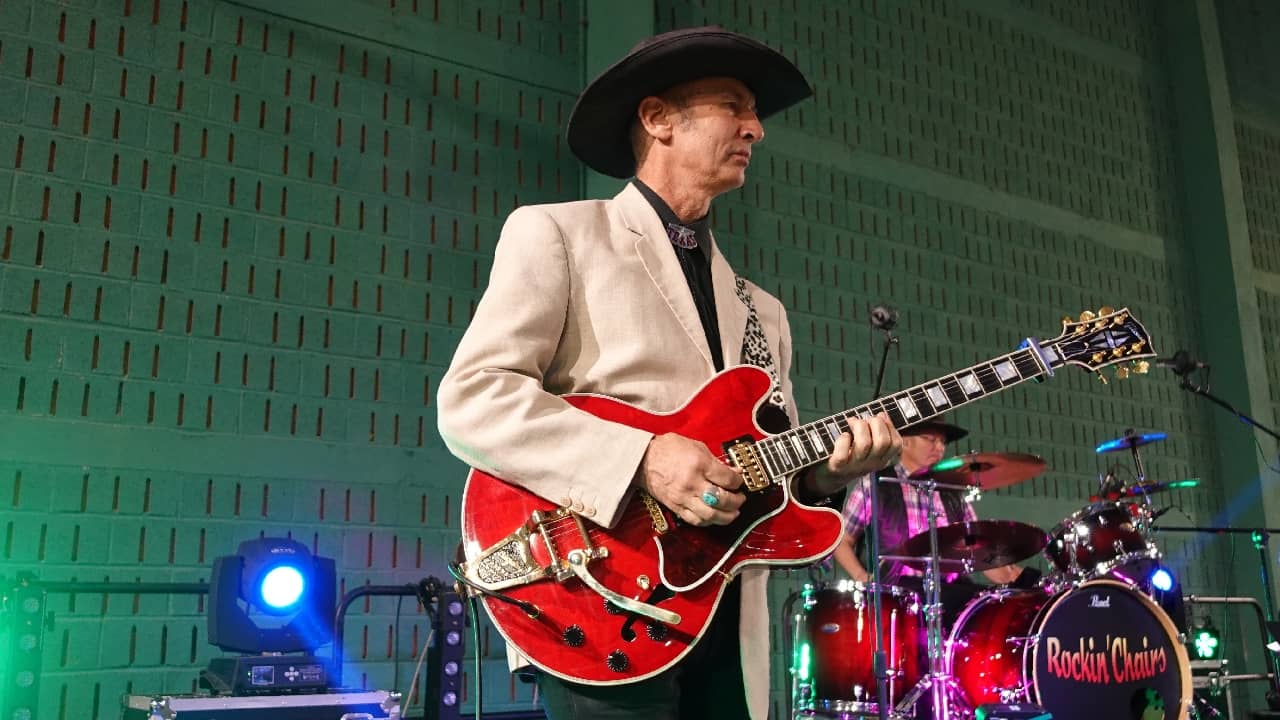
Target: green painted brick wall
{"x": 241, "y": 239}
{"x": 239, "y": 244}
{"x": 1253, "y": 66}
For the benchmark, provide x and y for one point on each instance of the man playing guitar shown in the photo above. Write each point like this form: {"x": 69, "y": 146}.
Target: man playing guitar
{"x": 632, "y": 298}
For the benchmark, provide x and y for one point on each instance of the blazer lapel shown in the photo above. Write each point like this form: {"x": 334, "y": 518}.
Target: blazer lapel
{"x": 660, "y": 262}
{"x": 731, "y": 313}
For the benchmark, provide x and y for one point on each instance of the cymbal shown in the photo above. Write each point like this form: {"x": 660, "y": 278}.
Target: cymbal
{"x": 987, "y": 471}
{"x": 985, "y": 544}
{"x": 1129, "y": 442}
{"x": 1149, "y": 488}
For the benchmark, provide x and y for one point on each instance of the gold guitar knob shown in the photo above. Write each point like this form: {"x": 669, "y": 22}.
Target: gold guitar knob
{"x": 1099, "y": 357}
{"x": 1122, "y": 373}
{"x": 1067, "y": 320}
{"x": 1087, "y": 315}
{"x": 1106, "y": 310}
{"x": 1142, "y": 367}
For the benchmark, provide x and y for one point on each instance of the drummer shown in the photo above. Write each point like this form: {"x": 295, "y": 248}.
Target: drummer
{"x": 903, "y": 513}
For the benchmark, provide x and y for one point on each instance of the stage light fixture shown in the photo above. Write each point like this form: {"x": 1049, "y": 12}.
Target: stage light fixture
{"x": 272, "y": 596}
{"x": 1161, "y": 579}
{"x": 445, "y": 655}
{"x": 1205, "y": 641}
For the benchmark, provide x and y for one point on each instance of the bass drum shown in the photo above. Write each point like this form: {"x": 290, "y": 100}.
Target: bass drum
{"x": 1101, "y": 650}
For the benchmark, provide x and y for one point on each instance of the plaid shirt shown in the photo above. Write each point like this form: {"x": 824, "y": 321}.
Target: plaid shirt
{"x": 857, "y": 514}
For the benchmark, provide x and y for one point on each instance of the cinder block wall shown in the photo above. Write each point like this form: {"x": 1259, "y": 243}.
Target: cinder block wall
{"x": 242, "y": 239}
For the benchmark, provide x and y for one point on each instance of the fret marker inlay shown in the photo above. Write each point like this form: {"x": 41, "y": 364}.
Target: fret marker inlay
{"x": 816, "y": 440}
{"x": 970, "y": 384}
{"x": 936, "y": 396}
{"x": 1006, "y": 371}
{"x": 907, "y": 407}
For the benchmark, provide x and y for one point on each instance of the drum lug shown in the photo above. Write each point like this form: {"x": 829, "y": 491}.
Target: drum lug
{"x": 1016, "y": 694}
{"x": 1023, "y": 640}
{"x": 1000, "y": 593}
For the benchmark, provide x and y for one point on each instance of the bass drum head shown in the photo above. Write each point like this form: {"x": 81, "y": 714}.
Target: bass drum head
{"x": 1104, "y": 646}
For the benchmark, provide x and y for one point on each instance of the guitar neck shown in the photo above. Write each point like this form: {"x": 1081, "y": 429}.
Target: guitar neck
{"x": 814, "y": 442}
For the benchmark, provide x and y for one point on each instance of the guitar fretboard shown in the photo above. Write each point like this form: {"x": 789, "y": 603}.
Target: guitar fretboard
{"x": 814, "y": 442}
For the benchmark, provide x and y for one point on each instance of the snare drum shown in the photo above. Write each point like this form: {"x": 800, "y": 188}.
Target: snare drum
{"x": 1100, "y": 538}
{"x": 835, "y": 645}
{"x": 1099, "y": 649}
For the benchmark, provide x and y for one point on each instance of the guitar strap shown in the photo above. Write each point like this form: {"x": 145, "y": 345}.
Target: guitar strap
{"x": 755, "y": 348}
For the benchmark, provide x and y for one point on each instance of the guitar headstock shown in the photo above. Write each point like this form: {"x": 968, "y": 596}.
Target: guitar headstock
{"x": 1102, "y": 339}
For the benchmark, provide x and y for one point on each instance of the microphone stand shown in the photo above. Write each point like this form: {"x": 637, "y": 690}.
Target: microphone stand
{"x": 1203, "y": 391}
{"x": 884, "y": 320}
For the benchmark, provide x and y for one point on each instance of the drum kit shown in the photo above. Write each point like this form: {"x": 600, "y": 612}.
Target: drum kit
{"x": 1096, "y": 638}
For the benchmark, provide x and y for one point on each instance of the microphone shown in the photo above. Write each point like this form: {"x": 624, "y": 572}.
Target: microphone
{"x": 1181, "y": 363}
{"x": 883, "y": 317}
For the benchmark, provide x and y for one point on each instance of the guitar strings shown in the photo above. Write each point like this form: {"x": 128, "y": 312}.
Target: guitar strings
{"x": 562, "y": 527}
{"x": 773, "y": 446}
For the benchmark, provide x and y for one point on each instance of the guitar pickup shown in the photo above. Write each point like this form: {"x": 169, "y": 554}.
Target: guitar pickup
{"x": 529, "y": 554}
{"x": 743, "y": 454}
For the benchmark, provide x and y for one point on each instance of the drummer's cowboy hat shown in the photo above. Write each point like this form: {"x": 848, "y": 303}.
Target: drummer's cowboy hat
{"x": 950, "y": 433}
{"x": 601, "y": 120}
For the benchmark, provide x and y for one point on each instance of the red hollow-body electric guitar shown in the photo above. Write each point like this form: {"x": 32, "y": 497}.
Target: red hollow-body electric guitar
{"x": 603, "y": 606}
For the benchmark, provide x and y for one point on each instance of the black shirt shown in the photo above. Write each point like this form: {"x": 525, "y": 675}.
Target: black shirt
{"x": 696, "y": 264}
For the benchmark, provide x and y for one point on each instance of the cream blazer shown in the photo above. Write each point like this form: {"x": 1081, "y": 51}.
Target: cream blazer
{"x": 589, "y": 297}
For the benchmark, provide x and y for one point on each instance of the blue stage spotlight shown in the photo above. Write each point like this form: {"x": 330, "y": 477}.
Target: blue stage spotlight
{"x": 273, "y": 595}
{"x": 282, "y": 588}
{"x": 1161, "y": 579}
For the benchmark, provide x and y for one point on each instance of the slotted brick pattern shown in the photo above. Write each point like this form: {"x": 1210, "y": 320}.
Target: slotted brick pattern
{"x": 237, "y": 253}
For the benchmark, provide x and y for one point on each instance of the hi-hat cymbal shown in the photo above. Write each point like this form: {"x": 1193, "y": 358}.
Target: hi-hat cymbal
{"x": 987, "y": 471}
{"x": 1149, "y": 488}
{"x": 984, "y": 544}
{"x": 1129, "y": 441}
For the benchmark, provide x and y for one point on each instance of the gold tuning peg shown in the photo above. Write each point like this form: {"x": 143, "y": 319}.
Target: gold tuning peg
{"x": 1102, "y": 378}
{"x": 1119, "y": 319}
{"x": 1098, "y": 357}
{"x": 1122, "y": 373}
{"x": 1106, "y": 310}
{"x": 1118, "y": 352}
{"x": 1087, "y": 315}
{"x": 1142, "y": 367}
{"x": 1067, "y": 320}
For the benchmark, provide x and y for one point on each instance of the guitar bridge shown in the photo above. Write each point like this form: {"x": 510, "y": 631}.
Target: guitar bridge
{"x": 743, "y": 454}
{"x": 528, "y": 554}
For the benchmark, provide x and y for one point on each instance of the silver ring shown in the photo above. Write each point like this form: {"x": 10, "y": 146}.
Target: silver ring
{"x": 711, "y": 498}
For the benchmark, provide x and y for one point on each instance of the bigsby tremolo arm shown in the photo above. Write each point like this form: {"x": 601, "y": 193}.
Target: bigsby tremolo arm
{"x": 512, "y": 562}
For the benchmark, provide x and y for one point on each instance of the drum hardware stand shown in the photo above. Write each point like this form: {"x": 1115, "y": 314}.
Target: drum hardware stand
{"x": 938, "y": 680}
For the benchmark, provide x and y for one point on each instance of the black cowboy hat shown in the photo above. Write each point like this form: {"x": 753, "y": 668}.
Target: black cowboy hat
{"x": 601, "y": 119}
{"x": 950, "y": 433}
